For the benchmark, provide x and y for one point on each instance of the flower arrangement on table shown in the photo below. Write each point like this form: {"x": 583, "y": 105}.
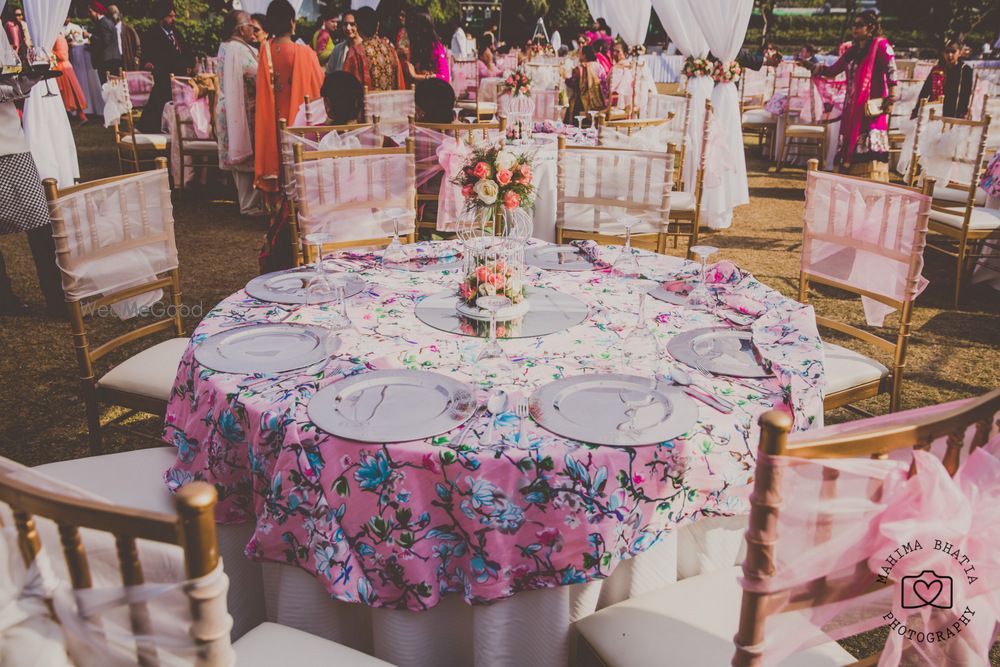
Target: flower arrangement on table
{"x": 491, "y": 276}
{"x": 494, "y": 177}
{"x": 727, "y": 72}
{"x": 516, "y": 82}
{"x": 698, "y": 67}
{"x": 481, "y": 328}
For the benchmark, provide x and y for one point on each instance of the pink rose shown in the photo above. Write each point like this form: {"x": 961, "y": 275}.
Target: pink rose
{"x": 504, "y": 176}
{"x": 511, "y": 200}
{"x": 482, "y": 273}
{"x": 481, "y": 170}
{"x": 525, "y": 170}
{"x": 498, "y": 281}
{"x": 467, "y": 191}
{"x": 466, "y": 291}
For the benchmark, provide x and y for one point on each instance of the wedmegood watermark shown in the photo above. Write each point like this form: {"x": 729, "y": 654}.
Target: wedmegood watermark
{"x": 159, "y": 310}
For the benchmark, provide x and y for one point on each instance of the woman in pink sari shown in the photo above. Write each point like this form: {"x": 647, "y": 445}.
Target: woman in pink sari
{"x": 870, "y": 64}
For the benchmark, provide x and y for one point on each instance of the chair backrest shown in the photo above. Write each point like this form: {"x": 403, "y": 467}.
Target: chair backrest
{"x": 646, "y": 134}
{"x": 140, "y": 85}
{"x": 867, "y": 238}
{"x": 390, "y": 106}
{"x": 905, "y": 67}
{"x": 951, "y": 151}
{"x": 678, "y": 109}
{"x": 190, "y": 109}
{"x": 345, "y": 192}
{"x": 115, "y": 248}
{"x": 547, "y": 106}
{"x": 756, "y": 87}
{"x": 842, "y": 517}
{"x": 311, "y": 112}
{"x": 470, "y": 133}
{"x": 323, "y": 137}
{"x": 136, "y": 626}
{"x": 923, "y": 112}
{"x": 803, "y": 103}
{"x": 626, "y": 78}
{"x": 991, "y": 108}
{"x": 597, "y": 186}
{"x": 488, "y": 90}
{"x": 464, "y": 77}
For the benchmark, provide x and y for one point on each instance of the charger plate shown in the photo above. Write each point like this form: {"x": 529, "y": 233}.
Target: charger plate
{"x": 291, "y": 286}
{"x": 720, "y": 351}
{"x": 266, "y": 347}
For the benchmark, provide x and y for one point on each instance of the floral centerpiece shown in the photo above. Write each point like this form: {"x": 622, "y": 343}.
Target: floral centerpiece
{"x": 727, "y": 72}
{"x": 497, "y": 186}
{"x": 698, "y": 67}
{"x": 494, "y": 177}
{"x": 516, "y": 82}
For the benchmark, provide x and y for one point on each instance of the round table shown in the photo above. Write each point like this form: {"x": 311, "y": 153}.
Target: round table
{"x": 406, "y": 526}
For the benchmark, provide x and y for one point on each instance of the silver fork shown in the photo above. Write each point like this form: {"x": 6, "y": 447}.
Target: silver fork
{"x": 522, "y": 412}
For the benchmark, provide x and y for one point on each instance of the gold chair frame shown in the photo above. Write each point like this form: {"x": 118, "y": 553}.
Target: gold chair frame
{"x": 130, "y": 152}
{"x": 301, "y": 250}
{"x": 457, "y": 131}
{"x": 192, "y": 529}
{"x": 966, "y": 245}
{"x": 893, "y": 382}
{"x": 86, "y": 355}
{"x": 876, "y": 442}
{"x": 765, "y": 131}
{"x": 655, "y": 241}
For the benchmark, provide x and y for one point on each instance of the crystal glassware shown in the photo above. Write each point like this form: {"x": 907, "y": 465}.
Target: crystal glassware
{"x": 493, "y": 365}
{"x": 579, "y": 120}
{"x": 626, "y": 265}
{"x": 394, "y": 253}
{"x": 701, "y": 297}
{"x": 640, "y": 349}
{"x": 593, "y": 117}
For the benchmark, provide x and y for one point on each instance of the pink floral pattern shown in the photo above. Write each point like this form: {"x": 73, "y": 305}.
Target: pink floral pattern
{"x": 401, "y": 525}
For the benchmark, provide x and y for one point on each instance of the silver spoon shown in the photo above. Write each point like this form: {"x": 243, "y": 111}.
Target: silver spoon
{"x": 681, "y": 378}
{"x": 497, "y": 405}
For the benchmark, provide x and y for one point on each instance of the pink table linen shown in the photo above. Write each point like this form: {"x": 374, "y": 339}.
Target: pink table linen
{"x": 401, "y": 525}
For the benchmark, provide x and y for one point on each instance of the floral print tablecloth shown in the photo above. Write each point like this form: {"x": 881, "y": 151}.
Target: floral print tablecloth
{"x": 400, "y": 525}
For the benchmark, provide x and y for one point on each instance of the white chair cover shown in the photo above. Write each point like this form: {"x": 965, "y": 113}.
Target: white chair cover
{"x": 948, "y": 151}
{"x": 546, "y": 106}
{"x": 640, "y": 180}
{"x": 621, "y": 85}
{"x": 910, "y": 130}
{"x": 393, "y": 107}
{"x": 140, "y": 85}
{"x": 313, "y": 113}
{"x": 117, "y": 101}
{"x": 507, "y": 61}
{"x": 867, "y": 235}
{"x": 115, "y": 236}
{"x": 544, "y": 76}
{"x": 364, "y": 137}
{"x": 757, "y": 86}
{"x": 207, "y": 65}
{"x": 346, "y": 196}
{"x": 649, "y": 138}
{"x": 94, "y": 625}
{"x": 674, "y": 107}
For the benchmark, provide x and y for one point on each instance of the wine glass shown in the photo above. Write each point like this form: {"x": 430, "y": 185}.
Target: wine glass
{"x": 458, "y": 113}
{"x": 626, "y": 265}
{"x": 593, "y": 117}
{"x": 492, "y": 362}
{"x": 640, "y": 349}
{"x": 579, "y": 120}
{"x": 394, "y": 253}
{"x": 701, "y": 297}
{"x": 317, "y": 240}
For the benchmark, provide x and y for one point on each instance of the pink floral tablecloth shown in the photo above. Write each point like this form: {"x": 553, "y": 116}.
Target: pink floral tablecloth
{"x": 401, "y": 525}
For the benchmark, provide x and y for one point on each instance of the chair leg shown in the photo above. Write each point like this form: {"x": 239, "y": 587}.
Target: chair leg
{"x": 93, "y": 423}
{"x": 783, "y": 155}
{"x": 559, "y": 235}
{"x": 960, "y": 272}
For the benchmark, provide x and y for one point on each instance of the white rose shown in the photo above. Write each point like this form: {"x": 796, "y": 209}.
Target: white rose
{"x": 487, "y": 191}
{"x": 506, "y": 160}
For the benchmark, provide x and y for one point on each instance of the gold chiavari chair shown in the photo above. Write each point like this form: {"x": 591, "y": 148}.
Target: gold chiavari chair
{"x": 963, "y": 230}
{"x": 625, "y": 182}
{"x": 685, "y": 206}
{"x": 392, "y": 106}
{"x": 137, "y": 150}
{"x": 711, "y": 619}
{"x": 319, "y": 192}
{"x": 191, "y": 151}
{"x": 89, "y": 242}
{"x": 485, "y": 104}
{"x": 754, "y": 117}
{"x": 426, "y": 139}
{"x": 852, "y": 376}
{"x": 86, "y": 524}
{"x": 799, "y": 132}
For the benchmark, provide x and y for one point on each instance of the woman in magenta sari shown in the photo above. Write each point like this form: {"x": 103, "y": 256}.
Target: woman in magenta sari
{"x": 870, "y": 65}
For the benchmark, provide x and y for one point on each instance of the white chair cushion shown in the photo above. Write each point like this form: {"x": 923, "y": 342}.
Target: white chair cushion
{"x": 135, "y": 479}
{"x": 688, "y": 623}
{"x": 200, "y": 146}
{"x": 982, "y": 218}
{"x": 845, "y": 368}
{"x": 957, "y": 195}
{"x": 681, "y": 201}
{"x": 271, "y": 644}
{"x": 759, "y": 117}
{"x": 149, "y": 373}
{"x": 810, "y": 130}
{"x": 157, "y": 141}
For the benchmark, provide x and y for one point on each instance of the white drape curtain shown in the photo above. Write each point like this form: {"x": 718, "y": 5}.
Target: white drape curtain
{"x": 260, "y": 6}
{"x": 723, "y": 24}
{"x": 681, "y": 25}
{"x": 358, "y": 4}
{"x": 46, "y": 126}
{"x": 598, "y": 8}
{"x": 629, "y": 19}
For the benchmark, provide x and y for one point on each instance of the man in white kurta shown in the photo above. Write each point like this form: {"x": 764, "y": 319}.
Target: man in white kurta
{"x": 234, "y": 115}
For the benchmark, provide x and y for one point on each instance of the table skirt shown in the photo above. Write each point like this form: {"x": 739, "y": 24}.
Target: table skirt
{"x": 531, "y": 628}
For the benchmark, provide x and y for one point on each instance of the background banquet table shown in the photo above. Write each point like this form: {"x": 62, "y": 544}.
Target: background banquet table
{"x": 405, "y": 527}
{"x": 664, "y": 68}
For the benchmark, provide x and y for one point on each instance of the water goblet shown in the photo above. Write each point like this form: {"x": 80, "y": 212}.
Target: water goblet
{"x": 492, "y": 362}
{"x": 317, "y": 240}
{"x": 640, "y": 349}
{"x": 701, "y": 297}
{"x": 593, "y": 117}
{"x": 626, "y": 265}
{"x": 579, "y": 120}
{"x": 394, "y": 253}
{"x": 458, "y": 114}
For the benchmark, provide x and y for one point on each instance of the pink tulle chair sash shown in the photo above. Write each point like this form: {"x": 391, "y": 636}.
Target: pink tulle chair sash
{"x": 193, "y": 108}
{"x": 865, "y": 533}
{"x": 140, "y": 84}
{"x": 865, "y": 235}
